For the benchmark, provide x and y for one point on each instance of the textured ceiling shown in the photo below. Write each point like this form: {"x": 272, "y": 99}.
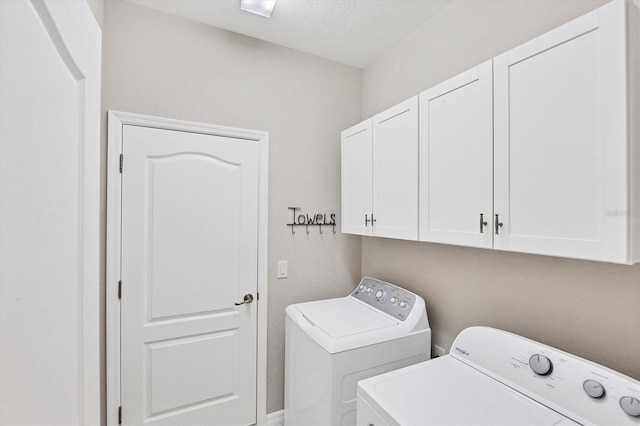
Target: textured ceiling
{"x": 353, "y": 32}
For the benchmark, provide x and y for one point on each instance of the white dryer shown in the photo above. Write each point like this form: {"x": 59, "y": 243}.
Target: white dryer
{"x": 332, "y": 344}
{"x": 492, "y": 377}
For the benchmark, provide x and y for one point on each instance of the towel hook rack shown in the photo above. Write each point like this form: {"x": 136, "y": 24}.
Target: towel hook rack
{"x": 306, "y": 220}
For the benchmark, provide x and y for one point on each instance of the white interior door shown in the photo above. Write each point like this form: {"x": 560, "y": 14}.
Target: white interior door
{"x": 49, "y": 200}
{"x": 456, "y": 159}
{"x": 189, "y": 254}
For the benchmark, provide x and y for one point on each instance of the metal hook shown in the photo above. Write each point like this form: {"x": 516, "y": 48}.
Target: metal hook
{"x": 320, "y": 226}
{"x": 334, "y": 229}
{"x": 307, "y": 227}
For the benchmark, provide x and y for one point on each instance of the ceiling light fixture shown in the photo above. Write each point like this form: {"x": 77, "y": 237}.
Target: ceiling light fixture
{"x": 259, "y": 7}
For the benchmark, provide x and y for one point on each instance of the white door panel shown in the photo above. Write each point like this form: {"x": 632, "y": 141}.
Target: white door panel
{"x": 357, "y": 175}
{"x": 49, "y": 162}
{"x": 456, "y": 159}
{"x": 560, "y": 141}
{"x": 395, "y": 171}
{"x": 544, "y": 143}
{"x": 189, "y": 253}
{"x": 184, "y": 253}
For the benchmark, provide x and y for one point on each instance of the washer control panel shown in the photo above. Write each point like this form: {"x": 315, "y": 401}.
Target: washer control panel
{"x": 386, "y": 297}
{"x": 584, "y": 391}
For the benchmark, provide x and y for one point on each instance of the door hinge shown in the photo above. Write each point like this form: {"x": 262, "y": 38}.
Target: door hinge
{"x": 121, "y": 161}
{"x": 120, "y": 415}
{"x": 119, "y": 289}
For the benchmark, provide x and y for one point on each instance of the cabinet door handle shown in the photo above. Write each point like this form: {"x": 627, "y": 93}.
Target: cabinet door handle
{"x": 483, "y": 223}
{"x": 367, "y": 220}
{"x": 498, "y": 224}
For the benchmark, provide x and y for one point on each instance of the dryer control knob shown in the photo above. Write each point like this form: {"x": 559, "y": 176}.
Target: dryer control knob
{"x": 540, "y": 364}
{"x": 593, "y": 389}
{"x": 393, "y": 300}
{"x": 630, "y": 405}
{"x": 403, "y": 304}
{"x": 379, "y": 295}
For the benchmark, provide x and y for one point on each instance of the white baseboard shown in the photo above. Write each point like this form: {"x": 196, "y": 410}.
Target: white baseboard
{"x": 276, "y": 418}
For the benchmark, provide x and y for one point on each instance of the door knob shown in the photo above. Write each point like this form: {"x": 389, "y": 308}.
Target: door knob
{"x": 248, "y": 298}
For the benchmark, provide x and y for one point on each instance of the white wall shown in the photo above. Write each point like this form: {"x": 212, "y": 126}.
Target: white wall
{"x": 97, "y": 8}
{"x": 162, "y": 65}
{"x": 588, "y": 308}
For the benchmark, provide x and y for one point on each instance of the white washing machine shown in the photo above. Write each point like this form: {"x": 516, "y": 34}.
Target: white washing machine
{"x": 492, "y": 377}
{"x": 332, "y": 344}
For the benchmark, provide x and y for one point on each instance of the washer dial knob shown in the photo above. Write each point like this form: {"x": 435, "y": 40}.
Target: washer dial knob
{"x": 630, "y": 405}
{"x": 540, "y": 364}
{"x": 393, "y": 300}
{"x": 404, "y": 304}
{"x": 369, "y": 290}
{"x": 593, "y": 389}
{"x": 362, "y": 287}
{"x": 379, "y": 294}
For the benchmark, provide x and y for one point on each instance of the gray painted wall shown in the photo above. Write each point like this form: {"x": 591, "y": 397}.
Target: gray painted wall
{"x": 162, "y": 65}
{"x": 588, "y": 308}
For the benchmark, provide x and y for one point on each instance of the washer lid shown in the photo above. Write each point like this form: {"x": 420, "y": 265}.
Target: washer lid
{"x": 446, "y": 391}
{"x": 343, "y": 317}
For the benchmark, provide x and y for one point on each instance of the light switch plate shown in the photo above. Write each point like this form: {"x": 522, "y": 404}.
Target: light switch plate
{"x": 283, "y": 269}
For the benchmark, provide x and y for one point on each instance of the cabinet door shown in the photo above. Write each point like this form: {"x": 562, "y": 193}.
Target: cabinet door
{"x": 560, "y": 141}
{"x": 357, "y": 162}
{"x": 456, "y": 159}
{"x": 395, "y": 171}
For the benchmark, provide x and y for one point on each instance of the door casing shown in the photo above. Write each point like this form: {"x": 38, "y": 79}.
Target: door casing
{"x": 116, "y": 121}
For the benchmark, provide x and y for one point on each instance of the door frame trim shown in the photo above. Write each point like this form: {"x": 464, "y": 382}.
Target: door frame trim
{"x": 116, "y": 121}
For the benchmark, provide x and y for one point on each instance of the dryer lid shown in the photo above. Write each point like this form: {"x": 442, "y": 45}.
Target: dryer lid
{"x": 344, "y": 317}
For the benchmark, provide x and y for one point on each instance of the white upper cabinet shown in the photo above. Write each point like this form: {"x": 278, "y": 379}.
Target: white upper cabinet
{"x": 456, "y": 160}
{"x": 380, "y": 174}
{"x": 357, "y": 178}
{"x": 563, "y": 184}
{"x": 536, "y": 151}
